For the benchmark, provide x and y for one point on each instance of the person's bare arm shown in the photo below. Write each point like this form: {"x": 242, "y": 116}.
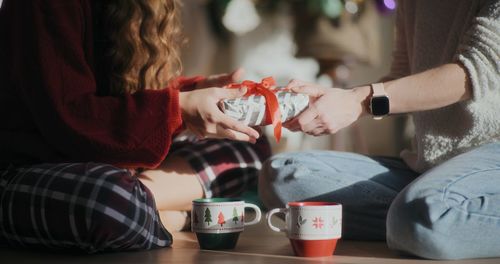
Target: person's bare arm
{"x": 431, "y": 89}
{"x": 332, "y": 109}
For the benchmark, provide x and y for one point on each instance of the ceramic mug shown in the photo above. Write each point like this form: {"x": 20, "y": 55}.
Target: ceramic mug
{"x": 312, "y": 227}
{"x": 218, "y": 222}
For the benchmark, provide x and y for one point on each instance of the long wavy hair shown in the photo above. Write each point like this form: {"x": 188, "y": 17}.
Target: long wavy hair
{"x": 144, "y": 48}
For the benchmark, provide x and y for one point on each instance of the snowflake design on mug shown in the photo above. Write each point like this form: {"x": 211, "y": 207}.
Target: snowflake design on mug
{"x": 318, "y": 222}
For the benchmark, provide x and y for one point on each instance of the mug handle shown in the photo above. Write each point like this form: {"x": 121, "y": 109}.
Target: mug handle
{"x": 258, "y": 214}
{"x": 270, "y": 214}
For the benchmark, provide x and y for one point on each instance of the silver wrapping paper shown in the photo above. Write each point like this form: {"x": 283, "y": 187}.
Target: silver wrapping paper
{"x": 251, "y": 109}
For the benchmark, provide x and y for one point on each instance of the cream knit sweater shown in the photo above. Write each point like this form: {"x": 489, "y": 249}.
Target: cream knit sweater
{"x": 435, "y": 32}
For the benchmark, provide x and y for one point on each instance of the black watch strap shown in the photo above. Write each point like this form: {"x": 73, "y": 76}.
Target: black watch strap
{"x": 379, "y": 102}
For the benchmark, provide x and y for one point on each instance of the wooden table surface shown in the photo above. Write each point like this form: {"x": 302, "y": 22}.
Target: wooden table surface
{"x": 257, "y": 244}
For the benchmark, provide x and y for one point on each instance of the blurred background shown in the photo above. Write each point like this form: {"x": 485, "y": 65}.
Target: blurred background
{"x": 338, "y": 43}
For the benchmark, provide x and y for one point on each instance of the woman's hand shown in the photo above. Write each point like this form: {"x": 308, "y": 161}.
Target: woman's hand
{"x": 330, "y": 109}
{"x": 201, "y": 114}
{"x": 220, "y": 80}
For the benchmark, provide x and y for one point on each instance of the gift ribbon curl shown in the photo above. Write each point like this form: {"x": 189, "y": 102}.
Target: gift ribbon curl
{"x": 264, "y": 88}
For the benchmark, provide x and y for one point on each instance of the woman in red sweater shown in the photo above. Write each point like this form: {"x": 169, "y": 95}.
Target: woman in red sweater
{"x": 91, "y": 107}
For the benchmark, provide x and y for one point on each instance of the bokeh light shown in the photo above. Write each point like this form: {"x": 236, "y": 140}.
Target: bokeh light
{"x": 351, "y": 7}
{"x": 390, "y": 4}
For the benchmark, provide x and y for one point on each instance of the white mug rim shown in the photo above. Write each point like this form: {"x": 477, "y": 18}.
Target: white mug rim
{"x": 231, "y": 201}
{"x": 312, "y": 204}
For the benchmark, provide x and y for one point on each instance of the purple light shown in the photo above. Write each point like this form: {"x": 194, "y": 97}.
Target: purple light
{"x": 390, "y": 4}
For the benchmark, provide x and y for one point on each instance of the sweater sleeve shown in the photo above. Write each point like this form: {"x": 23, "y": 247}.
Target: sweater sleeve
{"x": 479, "y": 51}
{"x": 400, "y": 66}
{"x": 60, "y": 90}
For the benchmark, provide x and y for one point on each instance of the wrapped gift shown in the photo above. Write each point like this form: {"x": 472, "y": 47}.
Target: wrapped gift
{"x": 265, "y": 104}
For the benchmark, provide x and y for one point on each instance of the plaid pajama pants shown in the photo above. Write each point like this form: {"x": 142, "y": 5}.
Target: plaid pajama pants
{"x": 92, "y": 207}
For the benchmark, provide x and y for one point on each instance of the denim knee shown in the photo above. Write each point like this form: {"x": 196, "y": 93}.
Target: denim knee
{"x": 417, "y": 225}
{"x": 452, "y": 211}
{"x": 269, "y": 183}
{"x": 282, "y": 177}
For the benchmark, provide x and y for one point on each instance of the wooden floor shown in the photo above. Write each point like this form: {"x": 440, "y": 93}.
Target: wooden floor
{"x": 256, "y": 245}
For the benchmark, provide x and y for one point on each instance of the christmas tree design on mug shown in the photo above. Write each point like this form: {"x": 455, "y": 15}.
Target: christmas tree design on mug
{"x": 216, "y": 221}
{"x": 221, "y": 220}
{"x": 208, "y": 216}
{"x": 235, "y": 216}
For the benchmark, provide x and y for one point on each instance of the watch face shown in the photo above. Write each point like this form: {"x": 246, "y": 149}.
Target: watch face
{"x": 380, "y": 105}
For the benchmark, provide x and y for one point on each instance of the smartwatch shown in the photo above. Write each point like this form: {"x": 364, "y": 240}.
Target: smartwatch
{"x": 379, "y": 102}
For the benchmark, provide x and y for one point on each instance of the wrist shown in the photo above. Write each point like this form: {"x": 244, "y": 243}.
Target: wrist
{"x": 363, "y": 94}
{"x": 193, "y": 83}
{"x": 182, "y": 103}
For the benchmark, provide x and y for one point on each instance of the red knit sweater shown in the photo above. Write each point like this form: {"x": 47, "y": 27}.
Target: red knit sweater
{"x": 49, "y": 109}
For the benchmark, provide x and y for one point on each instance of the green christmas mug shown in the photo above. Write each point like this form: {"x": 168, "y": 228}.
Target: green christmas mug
{"x": 218, "y": 222}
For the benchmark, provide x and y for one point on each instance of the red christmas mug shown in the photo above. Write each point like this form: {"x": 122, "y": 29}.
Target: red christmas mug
{"x": 312, "y": 227}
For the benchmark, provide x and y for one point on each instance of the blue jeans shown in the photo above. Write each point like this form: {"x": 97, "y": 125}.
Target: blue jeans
{"x": 450, "y": 212}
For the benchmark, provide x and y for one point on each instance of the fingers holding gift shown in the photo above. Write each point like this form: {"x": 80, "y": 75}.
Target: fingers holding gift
{"x": 265, "y": 103}
{"x": 296, "y": 82}
{"x": 235, "y": 135}
{"x": 311, "y": 126}
{"x": 304, "y": 121}
{"x": 218, "y": 129}
{"x": 319, "y": 131}
{"x": 315, "y": 120}
{"x": 259, "y": 130}
{"x": 292, "y": 124}
{"x": 234, "y": 76}
{"x": 221, "y": 126}
{"x": 316, "y": 127}
{"x": 221, "y": 80}
{"x": 229, "y": 123}
{"x": 223, "y": 93}
{"x": 310, "y": 89}
{"x": 335, "y": 109}
{"x": 201, "y": 114}
{"x": 307, "y": 117}
{"x": 319, "y": 126}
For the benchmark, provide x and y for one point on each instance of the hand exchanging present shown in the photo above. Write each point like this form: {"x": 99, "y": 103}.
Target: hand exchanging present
{"x": 330, "y": 109}
{"x": 201, "y": 114}
{"x": 220, "y": 80}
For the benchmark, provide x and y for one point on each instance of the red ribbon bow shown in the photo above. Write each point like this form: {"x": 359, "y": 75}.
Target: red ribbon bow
{"x": 264, "y": 88}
